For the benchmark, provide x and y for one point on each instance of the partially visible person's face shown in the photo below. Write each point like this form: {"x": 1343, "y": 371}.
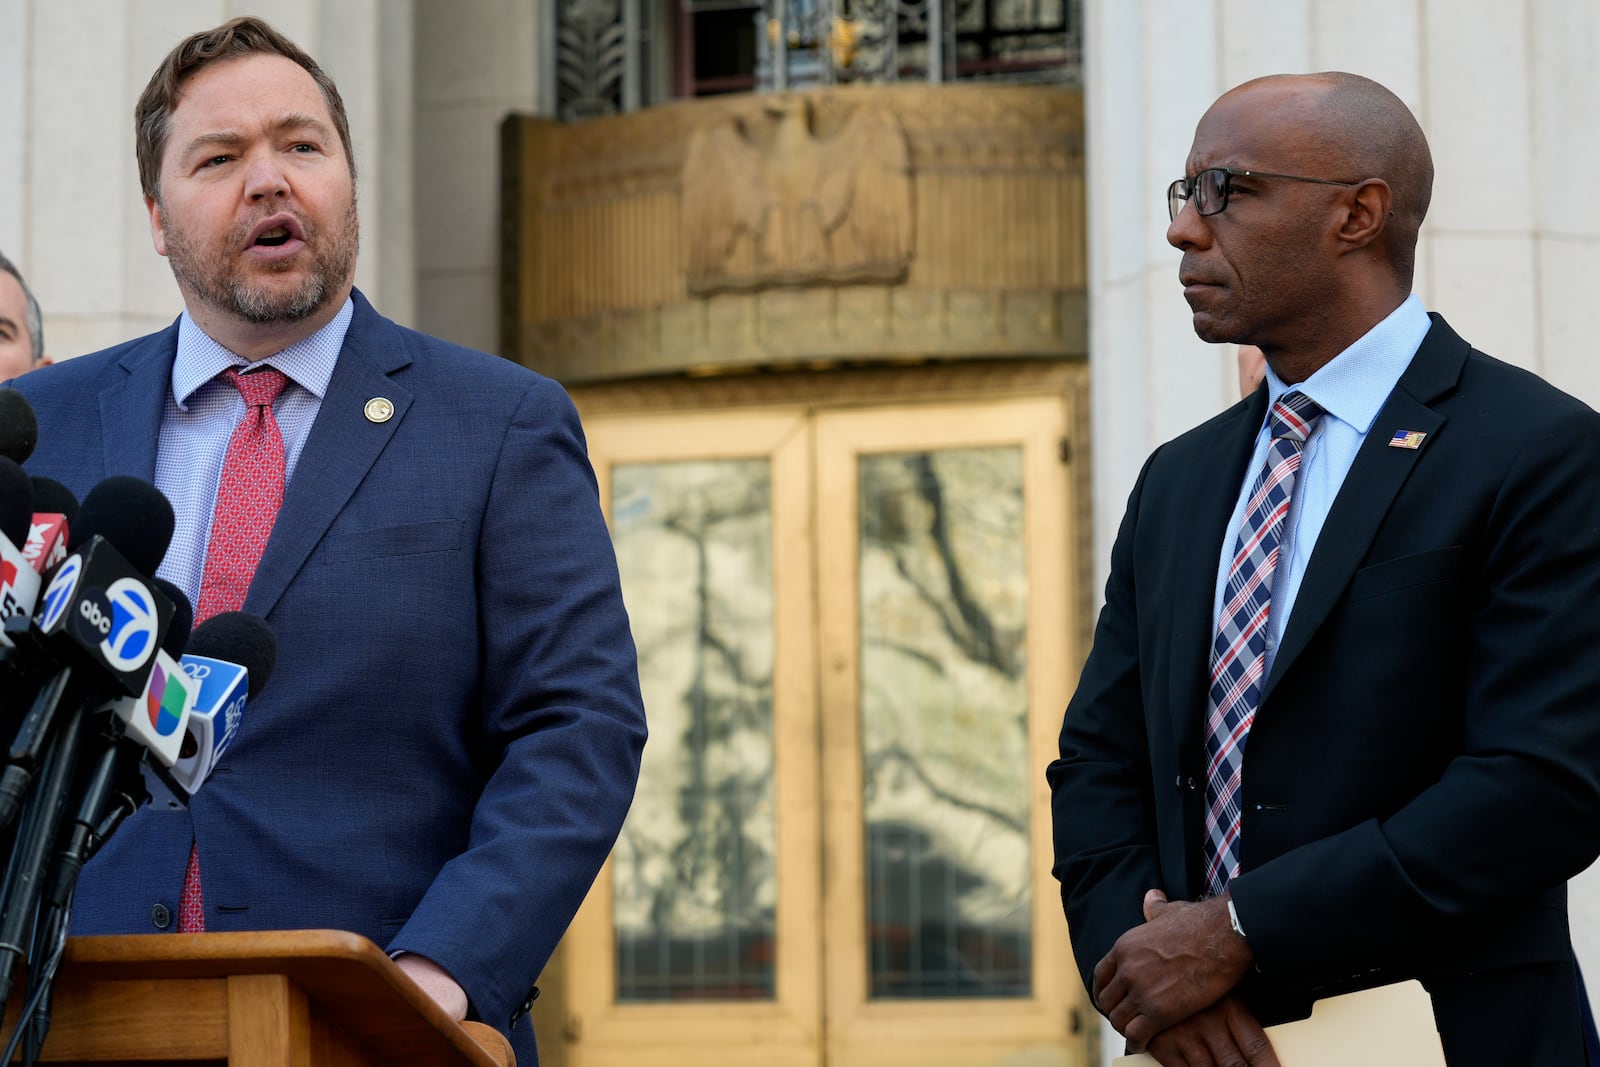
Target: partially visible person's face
{"x": 16, "y": 344}
{"x": 257, "y": 209}
{"x": 1256, "y": 273}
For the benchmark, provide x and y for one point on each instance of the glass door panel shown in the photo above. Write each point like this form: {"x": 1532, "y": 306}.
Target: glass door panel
{"x": 942, "y": 602}
{"x": 946, "y": 659}
{"x": 700, "y": 940}
{"x": 693, "y": 875}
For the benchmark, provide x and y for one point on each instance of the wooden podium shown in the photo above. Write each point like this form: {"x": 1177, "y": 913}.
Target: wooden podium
{"x": 301, "y": 998}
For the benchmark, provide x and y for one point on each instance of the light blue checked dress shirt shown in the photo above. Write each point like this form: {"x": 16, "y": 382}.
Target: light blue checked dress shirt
{"x": 198, "y": 420}
{"x": 1351, "y": 388}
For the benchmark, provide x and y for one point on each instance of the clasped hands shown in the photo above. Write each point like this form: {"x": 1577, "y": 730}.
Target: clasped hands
{"x": 1166, "y": 987}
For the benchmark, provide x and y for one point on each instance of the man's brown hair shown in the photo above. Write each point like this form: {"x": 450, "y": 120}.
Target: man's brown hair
{"x": 152, "y": 117}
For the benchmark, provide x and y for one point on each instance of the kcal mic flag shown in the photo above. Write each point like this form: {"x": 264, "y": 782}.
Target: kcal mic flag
{"x": 214, "y": 721}
{"x": 47, "y": 540}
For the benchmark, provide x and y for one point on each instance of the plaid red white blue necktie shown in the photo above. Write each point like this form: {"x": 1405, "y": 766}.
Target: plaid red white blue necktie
{"x": 248, "y": 497}
{"x": 1238, "y": 655}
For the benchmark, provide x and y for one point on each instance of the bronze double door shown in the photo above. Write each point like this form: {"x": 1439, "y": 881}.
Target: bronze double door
{"x": 858, "y": 619}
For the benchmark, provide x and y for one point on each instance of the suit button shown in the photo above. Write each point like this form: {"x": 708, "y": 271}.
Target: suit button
{"x": 160, "y": 917}
{"x": 1190, "y": 784}
{"x": 525, "y": 1007}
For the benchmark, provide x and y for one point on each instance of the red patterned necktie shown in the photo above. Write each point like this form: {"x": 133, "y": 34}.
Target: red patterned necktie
{"x": 248, "y": 498}
{"x": 1239, "y": 653}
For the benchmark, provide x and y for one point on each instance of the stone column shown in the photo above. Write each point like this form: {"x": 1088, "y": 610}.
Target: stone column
{"x": 71, "y": 215}
{"x": 475, "y": 64}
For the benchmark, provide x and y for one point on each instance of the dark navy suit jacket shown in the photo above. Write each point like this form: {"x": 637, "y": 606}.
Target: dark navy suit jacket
{"x": 446, "y": 750}
{"x": 1423, "y": 774}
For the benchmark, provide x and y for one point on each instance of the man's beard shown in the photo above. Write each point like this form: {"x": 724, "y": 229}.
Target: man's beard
{"x": 218, "y": 280}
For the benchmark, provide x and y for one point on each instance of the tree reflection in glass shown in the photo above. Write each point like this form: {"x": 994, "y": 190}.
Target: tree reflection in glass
{"x": 943, "y": 603}
{"x": 694, "y": 894}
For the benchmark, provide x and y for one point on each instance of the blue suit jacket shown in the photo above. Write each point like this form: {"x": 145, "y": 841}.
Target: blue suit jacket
{"x": 446, "y": 750}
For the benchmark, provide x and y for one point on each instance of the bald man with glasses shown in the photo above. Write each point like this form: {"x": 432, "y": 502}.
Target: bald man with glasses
{"x": 1340, "y": 724}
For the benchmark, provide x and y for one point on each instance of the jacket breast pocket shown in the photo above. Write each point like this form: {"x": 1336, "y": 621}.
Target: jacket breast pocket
{"x": 1422, "y": 568}
{"x": 407, "y": 539}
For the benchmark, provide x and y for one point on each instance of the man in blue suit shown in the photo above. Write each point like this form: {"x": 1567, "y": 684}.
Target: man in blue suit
{"x": 451, "y": 738}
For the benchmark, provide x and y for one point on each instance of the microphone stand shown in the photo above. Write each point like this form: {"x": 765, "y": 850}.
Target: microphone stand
{"x": 41, "y": 820}
{"x": 111, "y": 784}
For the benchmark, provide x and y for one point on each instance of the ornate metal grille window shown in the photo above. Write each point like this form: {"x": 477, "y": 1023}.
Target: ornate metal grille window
{"x": 606, "y": 56}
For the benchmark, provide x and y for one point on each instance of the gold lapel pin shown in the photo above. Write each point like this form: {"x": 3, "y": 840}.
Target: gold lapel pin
{"x": 1411, "y": 439}
{"x": 379, "y": 409}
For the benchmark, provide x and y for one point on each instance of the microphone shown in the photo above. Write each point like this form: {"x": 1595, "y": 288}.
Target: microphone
{"x": 50, "y": 495}
{"x": 54, "y": 507}
{"x": 99, "y": 595}
{"x": 99, "y": 618}
{"x": 19, "y": 582}
{"x": 19, "y": 429}
{"x": 133, "y": 729}
{"x": 158, "y": 717}
{"x": 19, "y": 590}
{"x": 16, "y": 502}
{"x": 131, "y": 514}
{"x": 54, "y": 511}
{"x": 103, "y": 622}
{"x": 124, "y": 762}
{"x": 251, "y": 649}
{"x": 177, "y": 638}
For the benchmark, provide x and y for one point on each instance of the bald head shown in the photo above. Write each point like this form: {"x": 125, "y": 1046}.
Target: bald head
{"x": 1309, "y": 237}
{"x": 1359, "y": 130}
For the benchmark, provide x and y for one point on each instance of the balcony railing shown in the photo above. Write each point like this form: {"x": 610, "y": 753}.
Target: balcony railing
{"x": 603, "y": 57}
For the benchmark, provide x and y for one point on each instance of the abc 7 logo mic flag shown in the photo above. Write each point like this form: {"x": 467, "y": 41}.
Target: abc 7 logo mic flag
{"x": 135, "y": 627}
{"x": 97, "y": 600}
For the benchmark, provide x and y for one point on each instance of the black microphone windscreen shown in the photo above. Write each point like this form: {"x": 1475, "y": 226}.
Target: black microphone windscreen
{"x": 177, "y": 638}
{"x": 16, "y": 503}
{"x": 50, "y": 497}
{"x": 19, "y": 430}
{"x": 238, "y": 637}
{"x": 133, "y": 515}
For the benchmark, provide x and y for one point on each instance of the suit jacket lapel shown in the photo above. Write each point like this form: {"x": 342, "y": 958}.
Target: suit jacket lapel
{"x": 131, "y": 409}
{"x": 341, "y": 448}
{"x": 1213, "y": 490}
{"x": 1375, "y": 478}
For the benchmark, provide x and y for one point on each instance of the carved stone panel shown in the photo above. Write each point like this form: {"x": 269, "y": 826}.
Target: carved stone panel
{"x": 852, "y": 223}
{"x": 770, "y": 203}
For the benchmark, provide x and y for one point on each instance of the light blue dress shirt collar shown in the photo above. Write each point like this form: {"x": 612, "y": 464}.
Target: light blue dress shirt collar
{"x": 1353, "y": 386}
{"x": 308, "y": 363}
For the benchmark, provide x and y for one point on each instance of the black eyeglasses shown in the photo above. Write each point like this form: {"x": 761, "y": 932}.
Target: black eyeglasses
{"x": 1209, "y": 189}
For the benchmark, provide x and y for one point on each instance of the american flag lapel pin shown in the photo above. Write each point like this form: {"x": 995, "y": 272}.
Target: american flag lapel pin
{"x": 1411, "y": 439}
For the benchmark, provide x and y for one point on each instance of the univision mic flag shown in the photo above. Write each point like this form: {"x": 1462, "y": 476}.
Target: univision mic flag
{"x": 158, "y": 718}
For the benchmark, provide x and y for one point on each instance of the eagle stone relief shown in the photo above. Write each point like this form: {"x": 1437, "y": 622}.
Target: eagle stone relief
{"x": 768, "y": 203}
